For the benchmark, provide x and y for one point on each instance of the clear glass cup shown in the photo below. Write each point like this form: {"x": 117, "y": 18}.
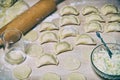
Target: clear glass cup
{"x": 14, "y": 46}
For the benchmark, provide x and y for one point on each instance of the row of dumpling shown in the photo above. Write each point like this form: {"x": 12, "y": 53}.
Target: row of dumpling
{"x": 93, "y": 18}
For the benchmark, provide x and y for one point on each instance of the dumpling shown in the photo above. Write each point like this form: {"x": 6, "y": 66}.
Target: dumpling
{"x": 94, "y": 17}
{"x": 35, "y": 50}
{"x": 69, "y": 20}
{"x": 22, "y": 72}
{"x": 85, "y": 39}
{"x": 68, "y": 10}
{"x": 48, "y": 26}
{"x": 75, "y": 76}
{"x": 68, "y": 31}
{"x": 114, "y": 18}
{"x": 15, "y": 57}
{"x": 89, "y": 9}
{"x": 48, "y": 37}
{"x": 51, "y": 76}
{"x": 47, "y": 59}
{"x": 113, "y": 27}
{"x": 63, "y": 47}
{"x": 93, "y": 27}
{"x": 31, "y": 36}
{"x": 109, "y": 9}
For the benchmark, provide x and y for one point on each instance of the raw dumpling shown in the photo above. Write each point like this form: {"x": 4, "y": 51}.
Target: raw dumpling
{"x": 109, "y": 9}
{"x": 89, "y": 9}
{"x": 76, "y": 76}
{"x": 47, "y": 59}
{"x": 35, "y": 50}
{"x": 93, "y": 27}
{"x": 48, "y": 37}
{"x": 94, "y": 17}
{"x": 69, "y": 20}
{"x": 113, "y": 27}
{"x": 48, "y": 26}
{"x": 68, "y": 31}
{"x": 22, "y": 72}
{"x": 15, "y": 57}
{"x": 31, "y": 36}
{"x": 63, "y": 47}
{"x": 51, "y": 76}
{"x": 114, "y": 18}
{"x": 85, "y": 39}
{"x": 68, "y": 10}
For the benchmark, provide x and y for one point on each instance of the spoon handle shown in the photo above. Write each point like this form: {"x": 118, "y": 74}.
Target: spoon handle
{"x": 108, "y": 50}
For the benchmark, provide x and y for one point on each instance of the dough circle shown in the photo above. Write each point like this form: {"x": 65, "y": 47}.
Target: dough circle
{"x": 76, "y": 76}
{"x": 22, "y": 72}
{"x": 51, "y": 76}
{"x": 71, "y": 63}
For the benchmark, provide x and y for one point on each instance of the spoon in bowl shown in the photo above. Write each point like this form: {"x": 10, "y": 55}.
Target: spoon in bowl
{"x": 107, "y": 48}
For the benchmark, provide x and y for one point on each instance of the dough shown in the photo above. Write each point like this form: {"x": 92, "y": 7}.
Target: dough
{"x": 114, "y": 18}
{"x": 109, "y": 9}
{"x": 71, "y": 63}
{"x": 61, "y": 47}
{"x": 51, "y": 76}
{"x": 94, "y": 17}
{"x": 89, "y": 9}
{"x": 12, "y": 12}
{"x": 47, "y": 59}
{"x": 48, "y": 36}
{"x": 68, "y": 10}
{"x": 76, "y": 76}
{"x": 35, "y": 50}
{"x": 85, "y": 39}
{"x": 113, "y": 27}
{"x": 68, "y": 31}
{"x": 93, "y": 27}
{"x": 31, "y": 36}
{"x": 69, "y": 20}
{"x": 15, "y": 57}
{"x": 22, "y": 72}
{"x": 48, "y": 26}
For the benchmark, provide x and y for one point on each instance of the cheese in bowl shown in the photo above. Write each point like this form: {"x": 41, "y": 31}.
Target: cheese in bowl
{"x": 106, "y": 67}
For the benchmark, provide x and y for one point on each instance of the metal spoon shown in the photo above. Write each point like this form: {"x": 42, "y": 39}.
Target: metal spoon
{"x": 107, "y": 48}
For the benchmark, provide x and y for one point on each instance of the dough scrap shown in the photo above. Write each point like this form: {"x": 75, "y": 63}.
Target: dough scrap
{"x": 47, "y": 59}
{"x": 35, "y": 50}
{"x": 68, "y": 31}
{"x": 94, "y": 17}
{"x": 89, "y": 10}
{"x": 109, "y": 9}
{"x": 85, "y": 39}
{"x": 68, "y": 10}
{"x": 15, "y": 57}
{"x": 93, "y": 27}
{"x": 113, "y": 27}
{"x": 71, "y": 63}
{"x": 31, "y": 36}
{"x": 69, "y": 20}
{"x": 51, "y": 76}
{"x": 22, "y": 72}
{"x": 76, "y": 76}
{"x": 61, "y": 47}
{"x": 48, "y": 26}
{"x": 48, "y": 37}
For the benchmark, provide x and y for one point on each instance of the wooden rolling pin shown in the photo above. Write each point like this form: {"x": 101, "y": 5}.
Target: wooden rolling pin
{"x": 27, "y": 20}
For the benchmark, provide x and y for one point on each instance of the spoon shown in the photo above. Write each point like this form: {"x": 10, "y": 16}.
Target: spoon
{"x": 107, "y": 48}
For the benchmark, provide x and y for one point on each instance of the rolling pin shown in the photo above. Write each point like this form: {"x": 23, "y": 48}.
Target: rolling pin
{"x": 28, "y": 19}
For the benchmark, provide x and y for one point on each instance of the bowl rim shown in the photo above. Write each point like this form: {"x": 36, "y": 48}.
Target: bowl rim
{"x": 91, "y": 58}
